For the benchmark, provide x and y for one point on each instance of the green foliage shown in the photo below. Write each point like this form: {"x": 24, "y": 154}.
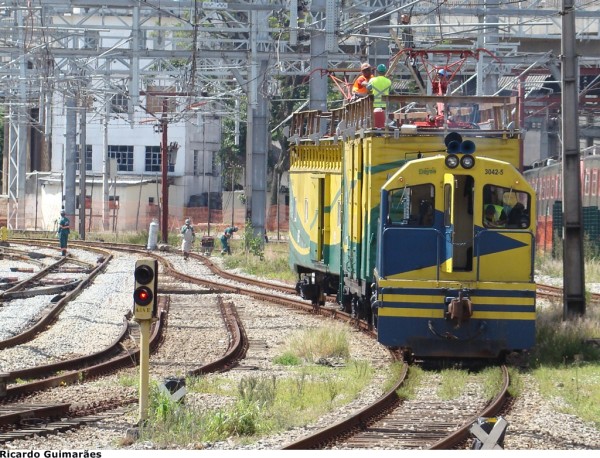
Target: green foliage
{"x": 576, "y": 388}
{"x": 260, "y": 391}
{"x": 493, "y": 381}
{"x": 452, "y": 384}
{"x": 409, "y": 388}
{"x": 253, "y": 243}
{"x": 128, "y": 380}
{"x": 331, "y": 341}
{"x": 514, "y": 389}
{"x": 232, "y": 153}
{"x": 261, "y": 405}
{"x": 161, "y": 405}
{"x": 241, "y": 420}
{"x": 550, "y": 265}
{"x": 560, "y": 342}
{"x": 287, "y": 359}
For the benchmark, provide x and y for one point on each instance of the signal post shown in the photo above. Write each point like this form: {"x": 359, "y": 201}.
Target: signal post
{"x": 144, "y": 312}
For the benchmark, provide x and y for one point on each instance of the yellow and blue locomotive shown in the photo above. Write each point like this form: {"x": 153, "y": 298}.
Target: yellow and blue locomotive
{"x": 422, "y": 226}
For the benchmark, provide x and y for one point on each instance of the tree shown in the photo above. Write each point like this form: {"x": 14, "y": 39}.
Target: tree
{"x": 232, "y": 154}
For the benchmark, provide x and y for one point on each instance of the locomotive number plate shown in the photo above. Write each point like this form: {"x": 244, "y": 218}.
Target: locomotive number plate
{"x": 494, "y": 172}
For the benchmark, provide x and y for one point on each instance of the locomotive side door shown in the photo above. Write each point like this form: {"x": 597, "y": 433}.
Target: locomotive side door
{"x": 448, "y": 222}
{"x": 316, "y": 225}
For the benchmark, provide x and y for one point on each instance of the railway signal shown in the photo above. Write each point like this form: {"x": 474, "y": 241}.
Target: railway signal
{"x": 144, "y": 294}
{"x": 144, "y": 311}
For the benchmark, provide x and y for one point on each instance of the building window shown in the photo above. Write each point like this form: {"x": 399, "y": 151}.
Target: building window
{"x": 586, "y": 183}
{"x": 214, "y": 165}
{"x": 154, "y": 160}
{"x": 88, "y": 156}
{"x": 118, "y": 103}
{"x": 124, "y": 156}
{"x": 196, "y": 163}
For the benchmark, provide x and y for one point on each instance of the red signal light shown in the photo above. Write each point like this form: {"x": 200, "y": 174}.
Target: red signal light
{"x": 142, "y": 296}
{"x": 145, "y": 289}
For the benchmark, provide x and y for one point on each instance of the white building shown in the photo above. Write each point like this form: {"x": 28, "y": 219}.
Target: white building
{"x": 123, "y": 134}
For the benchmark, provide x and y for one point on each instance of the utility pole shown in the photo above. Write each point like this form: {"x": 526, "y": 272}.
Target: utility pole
{"x": 68, "y": 197}
{"x": 573, "y": 264}
{"x": 82, "y": 166}
{"x": 105, "y": 154}
{"x": 164, "y": 162}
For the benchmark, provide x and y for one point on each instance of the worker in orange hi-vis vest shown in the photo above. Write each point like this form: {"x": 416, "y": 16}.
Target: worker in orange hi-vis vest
{"x": 359, "y": 88}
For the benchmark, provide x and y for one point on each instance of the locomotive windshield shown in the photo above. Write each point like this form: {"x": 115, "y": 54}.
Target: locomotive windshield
{"x": 412, "y": 205}
{"x": 505, "y": 208}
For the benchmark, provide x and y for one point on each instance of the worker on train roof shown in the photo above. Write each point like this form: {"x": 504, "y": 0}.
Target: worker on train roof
{"x": 359, "y": 87}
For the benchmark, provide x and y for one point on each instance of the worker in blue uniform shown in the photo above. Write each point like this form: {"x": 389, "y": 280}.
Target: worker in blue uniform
{"x": 227, "y": 234}
{"x": 64, "y": 228}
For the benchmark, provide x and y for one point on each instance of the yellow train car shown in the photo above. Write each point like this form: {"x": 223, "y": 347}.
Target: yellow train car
{"x": 413, "y": 242}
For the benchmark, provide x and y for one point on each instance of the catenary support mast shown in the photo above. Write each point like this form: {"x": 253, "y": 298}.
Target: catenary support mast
{"x": 573, "y": 266}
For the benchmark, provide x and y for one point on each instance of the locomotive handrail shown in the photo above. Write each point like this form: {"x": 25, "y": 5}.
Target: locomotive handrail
{"x": 357, "y": 115}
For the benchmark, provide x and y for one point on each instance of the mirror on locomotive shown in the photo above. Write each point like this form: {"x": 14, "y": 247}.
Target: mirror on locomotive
{"x": 505, "y": 208}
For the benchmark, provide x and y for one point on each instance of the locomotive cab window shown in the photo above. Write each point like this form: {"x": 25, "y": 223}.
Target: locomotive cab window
{"x": 412, "y": 206}
{"x": 505, "y": 208}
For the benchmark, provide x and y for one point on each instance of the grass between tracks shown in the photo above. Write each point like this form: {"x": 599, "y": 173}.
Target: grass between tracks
{"x": 273, "y": 264}
{"x": 565, "y": 367}
{"x": 320, "y": 376}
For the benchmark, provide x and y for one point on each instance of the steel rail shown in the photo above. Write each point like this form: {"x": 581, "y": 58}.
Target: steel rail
{"x": 491, "y": 410}
{"x": 125, "y": 359}
{"x": 356, "y": 421}
{"x": 53, "y": 312}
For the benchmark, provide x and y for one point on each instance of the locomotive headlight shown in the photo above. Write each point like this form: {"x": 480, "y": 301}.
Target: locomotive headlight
{"x": 452, "y": 161}
{"x": 467, "y": 162}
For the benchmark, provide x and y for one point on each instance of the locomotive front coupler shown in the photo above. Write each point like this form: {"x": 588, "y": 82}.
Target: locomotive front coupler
{"x": 458, "y": 305}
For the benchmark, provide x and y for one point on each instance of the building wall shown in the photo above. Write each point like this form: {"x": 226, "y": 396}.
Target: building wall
{"x": 195, "y": 170}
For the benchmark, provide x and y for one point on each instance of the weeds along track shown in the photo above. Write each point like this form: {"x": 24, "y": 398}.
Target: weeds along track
{"x": 32, "y": 403}
{"x": 386, "y": 424}
{"x": 425, "y": 422}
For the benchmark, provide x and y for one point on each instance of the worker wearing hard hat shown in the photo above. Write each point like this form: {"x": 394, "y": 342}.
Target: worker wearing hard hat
{"x": 359, "y": 88}
{"x": 439, "y": 85}
{"x": 379, "y": 86}
{"x": 188, "y": 235}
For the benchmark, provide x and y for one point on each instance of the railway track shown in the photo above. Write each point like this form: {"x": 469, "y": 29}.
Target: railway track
{"x": 426, "y": 423}
{"x": 285, "y": 296}
{"x": 20, "y": 420}
{"x": 236, "y": 350}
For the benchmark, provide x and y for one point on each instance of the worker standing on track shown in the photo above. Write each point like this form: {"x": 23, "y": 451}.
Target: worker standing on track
{"x": 188, "y": 234}
{"x": 64, "y": 228}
